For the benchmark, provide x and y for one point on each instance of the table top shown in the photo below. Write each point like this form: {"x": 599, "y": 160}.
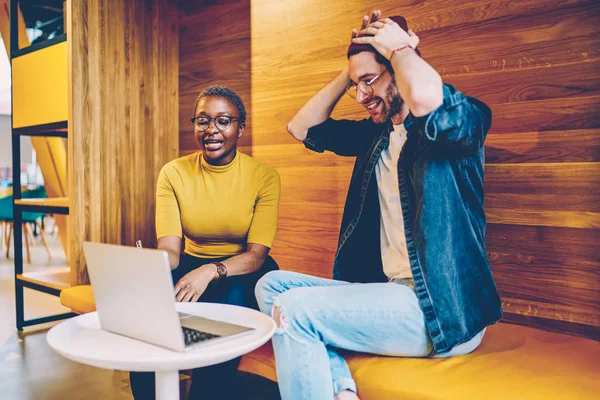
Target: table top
{"x": 81, "y": 339}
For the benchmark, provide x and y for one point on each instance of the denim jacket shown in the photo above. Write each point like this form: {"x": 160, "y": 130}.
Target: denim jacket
{"x": 440, "y": 177}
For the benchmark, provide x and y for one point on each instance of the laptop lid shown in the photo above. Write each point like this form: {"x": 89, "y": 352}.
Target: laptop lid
{"x": 134, "y": 293}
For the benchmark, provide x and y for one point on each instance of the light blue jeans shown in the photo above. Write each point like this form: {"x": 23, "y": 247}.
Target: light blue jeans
{"x": 319, "y": 316}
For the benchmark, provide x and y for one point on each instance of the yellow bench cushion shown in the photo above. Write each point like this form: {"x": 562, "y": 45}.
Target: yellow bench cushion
{"x": 513, "y": 362}
{"x": 80, "y": 299}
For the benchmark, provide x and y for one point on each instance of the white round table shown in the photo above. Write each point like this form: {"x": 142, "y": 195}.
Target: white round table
{"x": 81, "y": 339}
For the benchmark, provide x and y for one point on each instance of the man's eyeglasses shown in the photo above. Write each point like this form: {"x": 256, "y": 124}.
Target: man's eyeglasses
{"x": 364, "y": 86}
{"x": 222, "y": 122}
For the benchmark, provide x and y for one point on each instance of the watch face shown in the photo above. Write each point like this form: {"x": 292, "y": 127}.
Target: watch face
{"x": 221, "y": 270}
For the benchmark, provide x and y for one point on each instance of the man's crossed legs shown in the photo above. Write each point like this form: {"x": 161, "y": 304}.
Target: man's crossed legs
{"x": 317, "y": 316}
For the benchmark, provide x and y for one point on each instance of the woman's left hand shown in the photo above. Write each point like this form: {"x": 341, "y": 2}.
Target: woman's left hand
{"x": 193, "y": 284}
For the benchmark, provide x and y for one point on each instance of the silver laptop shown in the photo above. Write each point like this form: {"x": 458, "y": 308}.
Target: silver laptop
{"x": 134, "y": 297}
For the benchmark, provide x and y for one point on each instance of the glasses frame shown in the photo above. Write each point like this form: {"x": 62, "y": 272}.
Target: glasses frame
{"x": 369, "y": 83}
{"x": 231, "y": 119}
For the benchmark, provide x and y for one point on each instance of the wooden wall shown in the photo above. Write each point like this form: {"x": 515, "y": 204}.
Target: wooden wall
{"x": 123, "y": 120}
{"x": 534, "y": 62}
{"x": 214, "y": 48}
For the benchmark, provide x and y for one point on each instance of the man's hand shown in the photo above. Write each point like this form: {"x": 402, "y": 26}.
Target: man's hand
{"x": 387, "y": 36}
{"x": 375, "y": 16}
{"x": 193, "y": 284}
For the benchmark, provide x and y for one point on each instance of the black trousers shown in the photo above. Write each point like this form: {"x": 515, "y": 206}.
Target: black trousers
{"x": 212, "y": 382}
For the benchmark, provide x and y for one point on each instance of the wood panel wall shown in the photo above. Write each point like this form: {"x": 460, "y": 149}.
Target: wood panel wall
{"x": 214, "y": 48}
{"x": 534, "y": 62}
{"x": 123, "y": 122}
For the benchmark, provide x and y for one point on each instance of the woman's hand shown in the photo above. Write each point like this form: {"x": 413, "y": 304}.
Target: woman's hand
{"x": 194, "y": 283}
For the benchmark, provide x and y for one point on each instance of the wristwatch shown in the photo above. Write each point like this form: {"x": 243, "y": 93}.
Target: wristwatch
{"x": 221, "y": 270}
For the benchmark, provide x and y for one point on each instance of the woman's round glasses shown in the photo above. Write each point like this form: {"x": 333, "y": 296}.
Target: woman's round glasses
{"x": 222, "y": 122}
{"x": 364, "y": 86}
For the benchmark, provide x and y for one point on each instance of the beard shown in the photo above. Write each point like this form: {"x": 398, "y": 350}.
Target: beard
{"x": 392, "y": 103}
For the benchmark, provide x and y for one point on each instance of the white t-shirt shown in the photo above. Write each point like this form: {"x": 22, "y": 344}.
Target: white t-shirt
{"x": 394, "y": 253}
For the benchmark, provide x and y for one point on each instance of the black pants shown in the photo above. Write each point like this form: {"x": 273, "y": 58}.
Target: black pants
{"x": 212, "y": 382}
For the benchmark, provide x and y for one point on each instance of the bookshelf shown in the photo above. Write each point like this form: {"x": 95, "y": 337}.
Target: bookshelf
{"x": 39, "y": 110}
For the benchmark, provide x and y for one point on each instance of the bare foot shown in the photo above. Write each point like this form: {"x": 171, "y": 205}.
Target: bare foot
{"x": 346, "y": 395}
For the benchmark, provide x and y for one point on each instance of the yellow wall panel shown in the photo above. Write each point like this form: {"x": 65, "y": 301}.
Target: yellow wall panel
{"x": 40, "y": 87}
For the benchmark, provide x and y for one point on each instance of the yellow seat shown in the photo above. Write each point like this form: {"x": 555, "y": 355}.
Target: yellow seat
{"x": 513, "y": 362}
{"x": 80, "y": 299}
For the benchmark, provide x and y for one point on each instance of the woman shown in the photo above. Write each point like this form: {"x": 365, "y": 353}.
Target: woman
{"x": 224, "y": 206}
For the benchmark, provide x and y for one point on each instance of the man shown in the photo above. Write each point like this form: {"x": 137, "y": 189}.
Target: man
{"x": 411, "y": 273}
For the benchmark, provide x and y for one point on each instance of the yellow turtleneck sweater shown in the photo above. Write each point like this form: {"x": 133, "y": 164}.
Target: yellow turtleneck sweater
{"x": 218, "y": 210}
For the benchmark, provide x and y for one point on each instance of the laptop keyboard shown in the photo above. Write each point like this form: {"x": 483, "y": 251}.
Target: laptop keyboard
{"x": 192, "y": 336}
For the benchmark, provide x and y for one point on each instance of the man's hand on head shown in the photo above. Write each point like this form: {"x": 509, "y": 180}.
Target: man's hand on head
{"x": 375, "y": 16}
{"x": 386, "y": 36}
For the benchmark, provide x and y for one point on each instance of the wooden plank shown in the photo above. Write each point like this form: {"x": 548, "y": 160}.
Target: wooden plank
{"x": 57, "y": 278}
{"x": 551, "y": 194}
{"x": 551, "y": 311}
{"x": 567, "y": 295}
{"x": 549, "y": 146}
{"x": 546, "y": 115}
{"x": 124, "y": 120}
{"x": 566, "y": 219}
{"x": 547, "y": 82}
{"x": 551, "y": 243}
{"x": 48, "y": 202}
{"x": 551, "y": 178}
{"x": 547, "y": 202}
{"x": 568, "y": 327}
{"x": 530, "y": 264}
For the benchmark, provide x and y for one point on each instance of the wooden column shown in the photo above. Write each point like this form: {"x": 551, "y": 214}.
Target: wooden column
{"x": 123, "y": 122}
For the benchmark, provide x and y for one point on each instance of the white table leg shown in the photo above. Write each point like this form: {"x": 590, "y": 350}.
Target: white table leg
{"x": 167, "y": 385}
